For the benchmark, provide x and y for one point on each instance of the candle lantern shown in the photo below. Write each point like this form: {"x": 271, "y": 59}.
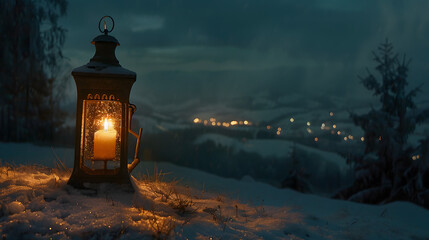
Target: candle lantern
{"x": 103, "y": 116}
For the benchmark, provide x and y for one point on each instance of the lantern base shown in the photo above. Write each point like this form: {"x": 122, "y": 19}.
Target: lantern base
{"x": 82, "y": 180}
{"x": 94, "y": 189}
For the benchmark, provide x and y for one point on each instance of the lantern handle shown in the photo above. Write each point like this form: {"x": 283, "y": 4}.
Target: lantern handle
{"x": 131, "y": 109}
{"x": 105, "y": 31}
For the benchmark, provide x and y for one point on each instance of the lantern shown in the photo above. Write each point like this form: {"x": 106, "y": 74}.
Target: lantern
{"x": 103, "y": 117}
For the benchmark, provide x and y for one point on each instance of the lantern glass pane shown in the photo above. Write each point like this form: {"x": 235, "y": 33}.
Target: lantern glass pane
{"x": 101, "y": 134}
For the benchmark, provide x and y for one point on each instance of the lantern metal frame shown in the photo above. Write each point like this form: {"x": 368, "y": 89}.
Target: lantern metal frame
{"x": 104, "y": 80}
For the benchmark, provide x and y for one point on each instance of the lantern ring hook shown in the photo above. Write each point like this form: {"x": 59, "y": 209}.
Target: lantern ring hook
{"x": 105, "y": 31}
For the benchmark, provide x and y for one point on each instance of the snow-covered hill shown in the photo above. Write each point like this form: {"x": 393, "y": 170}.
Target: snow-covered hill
{"x": 36, "y": 203}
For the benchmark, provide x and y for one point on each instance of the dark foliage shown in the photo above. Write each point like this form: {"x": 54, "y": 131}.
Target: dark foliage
{"x": 30, "y": 60}
{"x": 297, "y": 178}
{"x": 387, "y": 171}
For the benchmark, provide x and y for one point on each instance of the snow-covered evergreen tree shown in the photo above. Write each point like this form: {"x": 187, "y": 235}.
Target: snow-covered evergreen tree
{"x": 381, "y": 171}
{"x": 297, "y": 178}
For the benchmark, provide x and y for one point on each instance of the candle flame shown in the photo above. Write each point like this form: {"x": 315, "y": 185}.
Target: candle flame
{"x": 106, "y": 124}
{"x": 105, "y": 26}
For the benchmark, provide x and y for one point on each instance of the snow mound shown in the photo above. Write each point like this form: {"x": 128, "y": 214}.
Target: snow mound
{"x": 40, "y": 205}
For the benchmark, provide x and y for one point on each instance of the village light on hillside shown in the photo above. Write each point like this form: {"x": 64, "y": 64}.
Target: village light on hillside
{"x": 103, "y": 117}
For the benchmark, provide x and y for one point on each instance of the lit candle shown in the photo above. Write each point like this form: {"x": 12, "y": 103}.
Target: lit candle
{"x": 105, "y": 143}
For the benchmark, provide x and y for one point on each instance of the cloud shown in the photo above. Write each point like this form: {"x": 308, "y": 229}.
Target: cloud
{"x": 207, "y": 48}
{"x": 141, "y": 23}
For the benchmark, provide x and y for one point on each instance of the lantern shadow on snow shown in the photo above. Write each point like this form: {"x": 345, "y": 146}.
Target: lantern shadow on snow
{"x": 103, "y": 117}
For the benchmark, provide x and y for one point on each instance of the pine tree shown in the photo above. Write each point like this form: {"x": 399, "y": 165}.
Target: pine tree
{"x": 297, "y": 178}
{"x": 29, "y": 64}
{"x": 381, "y": 170}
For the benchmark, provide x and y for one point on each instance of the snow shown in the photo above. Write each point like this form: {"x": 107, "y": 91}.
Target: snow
{"x": 28, "y": 153}
{"x": 36, "y": 203}
{"x": 272, "y": 148}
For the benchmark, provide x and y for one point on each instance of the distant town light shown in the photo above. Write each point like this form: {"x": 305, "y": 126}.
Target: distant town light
{"x": 218, "y": 123}
{"x": 362, "y": 139}
{"x": 268, "y": 127}
{"x": 279, "y": 129}
{"x": 240, "y": 122}
{"x": 316, "y": 139}
{"x": 197, "y": 120}
{"x": 212, "y": 119}
{"x": 338, "y": 132}
{"x": 345, "y": 138}
{"x": 245, "y": 122}
{"x": 379, "y": 138}
{"x": 414, "y": 158}
{"x": 213, "y": 123}
{"x": 334, "y": 126}
{"x": 331, "y": 114}
{"x": 205, "y": 122}
{"x": 278, "y": 132}
{"x": 308, "y": 124}
{"x": 309, "y": 130}
{"x": 233, "y": 123}
{"x": 292, "y": 120}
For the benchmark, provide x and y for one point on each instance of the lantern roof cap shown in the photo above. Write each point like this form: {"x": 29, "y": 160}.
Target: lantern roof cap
{"x": 104, "y": 63}
{"x": 96, "y": 68}
{"x": 105, "y": 38}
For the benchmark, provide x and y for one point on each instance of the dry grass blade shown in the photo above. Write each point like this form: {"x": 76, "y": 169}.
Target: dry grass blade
{"x": 59, "y": 164}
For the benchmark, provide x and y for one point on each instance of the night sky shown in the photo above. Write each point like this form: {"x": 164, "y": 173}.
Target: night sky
{"x": 215, "y": 50}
